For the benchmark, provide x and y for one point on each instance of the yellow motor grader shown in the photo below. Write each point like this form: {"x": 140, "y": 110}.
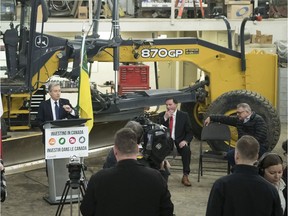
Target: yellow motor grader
{"x": 231, "y": 77}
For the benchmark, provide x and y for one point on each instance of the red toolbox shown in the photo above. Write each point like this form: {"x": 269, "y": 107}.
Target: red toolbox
{"x": 132, "y": 78}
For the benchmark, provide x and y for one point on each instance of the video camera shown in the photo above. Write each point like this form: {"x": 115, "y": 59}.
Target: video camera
{"x": 75, "y": 167}
{"x": 157, "y": 143}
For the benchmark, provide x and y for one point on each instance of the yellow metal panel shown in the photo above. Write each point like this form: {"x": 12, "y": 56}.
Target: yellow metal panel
{"x": 20, "y": 95}
{"x": 15, "y": 128}
{"x": 19, "y": 112}
{"x": 16, "y": 102}
{"x": 261, "y": 75}
{"x": 46, "y": 71}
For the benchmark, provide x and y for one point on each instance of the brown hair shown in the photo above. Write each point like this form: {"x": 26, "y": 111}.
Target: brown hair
{"x": 173, "y": 99}
{"x": 126, "y": 141}
{"x": 248, "y": 148}
{"x": 269, "y": 159}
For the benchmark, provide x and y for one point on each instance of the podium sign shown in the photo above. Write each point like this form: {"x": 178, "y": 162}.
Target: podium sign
{"x": 66, "y": 142}
{"x": 63, "y": 139}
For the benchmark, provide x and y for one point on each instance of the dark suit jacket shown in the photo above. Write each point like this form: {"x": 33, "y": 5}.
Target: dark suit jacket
{"x": 129, "y": 189}
{"x": 183, "y": 129}
{"x": 45, "y": 113}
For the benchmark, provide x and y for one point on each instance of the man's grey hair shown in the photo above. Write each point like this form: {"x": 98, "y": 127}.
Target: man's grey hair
{"x": 137, "y": 128}
{"x": 245, "y": 106}
{"x": 52, "y": 85}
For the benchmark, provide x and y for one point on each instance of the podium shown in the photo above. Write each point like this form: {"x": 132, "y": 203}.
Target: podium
{"x": 63, "y": 139}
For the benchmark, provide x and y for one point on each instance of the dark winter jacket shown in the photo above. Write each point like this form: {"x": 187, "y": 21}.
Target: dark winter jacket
{"x": 128, "y": 189}
{"x": 243, "y": 193}
{"x": 256, "y": 126}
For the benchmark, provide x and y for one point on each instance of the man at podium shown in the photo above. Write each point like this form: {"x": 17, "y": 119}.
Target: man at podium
{"x": 50, "y": 115}
{"x": 55, "y": 107}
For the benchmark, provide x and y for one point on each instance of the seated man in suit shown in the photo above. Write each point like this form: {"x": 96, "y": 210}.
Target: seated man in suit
{"x": 181, "y": 132}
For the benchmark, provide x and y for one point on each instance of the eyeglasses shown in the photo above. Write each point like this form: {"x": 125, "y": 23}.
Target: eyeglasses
{"x": 239, "y": 113}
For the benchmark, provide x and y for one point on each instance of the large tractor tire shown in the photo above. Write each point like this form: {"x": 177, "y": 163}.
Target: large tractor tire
{"x": 226, "y": 104}
{"x": 196, "y": 113}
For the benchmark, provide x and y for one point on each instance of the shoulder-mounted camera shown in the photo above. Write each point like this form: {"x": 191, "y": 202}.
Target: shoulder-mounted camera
{"x": 156, "y": 142}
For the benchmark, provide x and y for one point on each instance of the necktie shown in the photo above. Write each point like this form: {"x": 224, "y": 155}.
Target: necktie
{"x": 171, "y": 125}
{"x": 56, "y": 110}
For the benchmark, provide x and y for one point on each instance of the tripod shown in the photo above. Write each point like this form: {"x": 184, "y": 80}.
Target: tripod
{"x": 69, "y": 186}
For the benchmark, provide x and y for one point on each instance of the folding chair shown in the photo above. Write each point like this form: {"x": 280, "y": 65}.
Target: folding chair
{"x": 214, "y": 132}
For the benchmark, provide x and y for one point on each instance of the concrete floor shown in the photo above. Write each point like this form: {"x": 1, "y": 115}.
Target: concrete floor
{"x": 27, "y": 189}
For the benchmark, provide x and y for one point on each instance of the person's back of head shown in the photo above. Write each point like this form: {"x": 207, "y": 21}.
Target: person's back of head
{"x": 246, "y": 151}
{"x": 137, "y": 128}
{"x": 125, "y": 144}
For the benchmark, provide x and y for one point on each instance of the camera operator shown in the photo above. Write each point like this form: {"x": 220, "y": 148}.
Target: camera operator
{"x": 163, "y": 167}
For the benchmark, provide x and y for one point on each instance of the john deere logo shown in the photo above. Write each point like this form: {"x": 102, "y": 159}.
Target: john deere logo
{"x": 41, "y": 41}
